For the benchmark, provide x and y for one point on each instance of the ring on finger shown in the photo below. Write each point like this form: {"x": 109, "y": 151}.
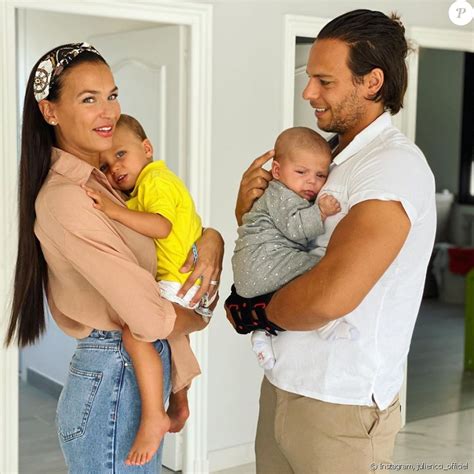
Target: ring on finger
{"x": 214, "y": 282}
{"x": 195, "y": 253}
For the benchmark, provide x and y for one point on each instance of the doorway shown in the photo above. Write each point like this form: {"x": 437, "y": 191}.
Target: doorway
{"x": 437, "y": 382}
{"x": 177, "y": 114}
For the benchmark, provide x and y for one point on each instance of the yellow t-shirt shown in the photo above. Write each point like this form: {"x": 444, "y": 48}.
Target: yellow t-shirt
{"x": 159, "y": 191}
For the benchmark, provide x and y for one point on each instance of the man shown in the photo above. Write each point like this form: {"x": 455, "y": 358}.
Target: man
{"x": 331, "y": 406}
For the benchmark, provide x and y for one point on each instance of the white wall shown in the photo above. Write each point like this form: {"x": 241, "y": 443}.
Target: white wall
{"x": 51, "y": 356}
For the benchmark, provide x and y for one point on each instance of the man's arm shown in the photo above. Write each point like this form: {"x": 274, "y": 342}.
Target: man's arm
{"x": 362, "y": 247}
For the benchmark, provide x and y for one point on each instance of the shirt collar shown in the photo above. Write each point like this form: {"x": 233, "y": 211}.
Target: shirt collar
{"x": 154, "y": 165}
{"x": 75, "y": 169}
{"x": 364, "y": 137}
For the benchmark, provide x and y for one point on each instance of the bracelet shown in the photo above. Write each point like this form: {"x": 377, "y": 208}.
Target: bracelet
{"x": 205, "y": 313}
{"x": 243, "y": 312}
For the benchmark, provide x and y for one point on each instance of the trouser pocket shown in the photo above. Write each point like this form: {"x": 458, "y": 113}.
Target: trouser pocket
{"x": 372, "y": 419}
{"x": 75, "y": 403}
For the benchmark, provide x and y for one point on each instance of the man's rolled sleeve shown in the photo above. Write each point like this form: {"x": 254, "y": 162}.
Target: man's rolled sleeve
{"x": 393, "y": 176}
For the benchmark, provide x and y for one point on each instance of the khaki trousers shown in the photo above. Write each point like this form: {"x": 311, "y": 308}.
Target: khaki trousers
{"x": 301, "y": 435}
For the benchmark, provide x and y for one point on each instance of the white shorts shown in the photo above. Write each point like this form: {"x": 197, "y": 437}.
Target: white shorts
{"x": 169, "y": 290}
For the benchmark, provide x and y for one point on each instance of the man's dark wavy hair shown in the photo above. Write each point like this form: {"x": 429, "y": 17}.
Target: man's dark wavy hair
{"x": 375, "y": 40}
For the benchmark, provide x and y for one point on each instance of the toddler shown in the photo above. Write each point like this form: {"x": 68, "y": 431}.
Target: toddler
{"x": 159, "y": 206}
{"x": 279, "y": 232}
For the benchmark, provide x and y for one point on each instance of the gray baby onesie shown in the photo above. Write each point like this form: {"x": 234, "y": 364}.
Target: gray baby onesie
{"x": 274, "y": 241}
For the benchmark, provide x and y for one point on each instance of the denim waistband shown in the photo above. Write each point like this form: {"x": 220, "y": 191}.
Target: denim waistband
{"x": 110, "y": 335}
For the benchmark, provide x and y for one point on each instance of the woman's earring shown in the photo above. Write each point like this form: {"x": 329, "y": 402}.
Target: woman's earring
{"x": 52, "y": 122}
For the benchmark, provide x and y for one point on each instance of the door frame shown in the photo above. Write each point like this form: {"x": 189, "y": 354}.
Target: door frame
{"x": 405, "y": 120}
{"x": 198, "y": 17}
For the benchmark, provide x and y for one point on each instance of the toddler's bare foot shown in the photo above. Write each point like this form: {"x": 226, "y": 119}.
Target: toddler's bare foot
{"x": 148, "y": 439}
{"x": 178, "y": 411}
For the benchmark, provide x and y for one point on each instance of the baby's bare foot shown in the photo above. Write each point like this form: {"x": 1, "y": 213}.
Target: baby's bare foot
{"x": 148, "y": 439}
{"x": 178, "y": 411}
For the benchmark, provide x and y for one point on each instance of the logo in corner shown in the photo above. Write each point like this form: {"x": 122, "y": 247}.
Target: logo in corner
{"x": 461, "y": 12}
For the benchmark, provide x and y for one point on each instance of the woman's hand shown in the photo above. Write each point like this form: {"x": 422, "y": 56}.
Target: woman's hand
{"x": 207, "y": 265}
{"x": 188, "y": 321}
{"x": 253, "y": 184}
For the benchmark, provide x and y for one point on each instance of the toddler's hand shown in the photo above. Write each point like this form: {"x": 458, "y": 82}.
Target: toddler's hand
{"x": 99, "y": 201}
{"x": 328, "y": 205}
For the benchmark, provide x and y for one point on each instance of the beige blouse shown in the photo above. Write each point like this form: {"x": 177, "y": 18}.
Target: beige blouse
{"x": 100, "y": 272}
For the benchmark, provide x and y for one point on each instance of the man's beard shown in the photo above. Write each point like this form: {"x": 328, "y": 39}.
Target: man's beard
{"x": 345, "y": 115}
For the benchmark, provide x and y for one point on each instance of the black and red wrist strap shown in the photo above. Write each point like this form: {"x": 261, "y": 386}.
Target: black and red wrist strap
{"x": 249, "y": 313}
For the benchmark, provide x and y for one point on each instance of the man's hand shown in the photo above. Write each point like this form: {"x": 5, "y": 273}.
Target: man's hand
{"x": 103, "y": 203}
{"x": 328, "y": 205}
{"x": 207, "y": 265}
{"x": 253, "y": 184}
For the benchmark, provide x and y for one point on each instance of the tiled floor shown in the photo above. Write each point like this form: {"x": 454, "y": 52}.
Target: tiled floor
{"x": 437, "y": 383}
{"x": 436, "y": 386}
{"x": 38, "y": 438}
{"x": 440, "y": 439}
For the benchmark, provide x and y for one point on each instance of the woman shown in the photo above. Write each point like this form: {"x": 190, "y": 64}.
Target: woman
{"x": 97, "y": 273}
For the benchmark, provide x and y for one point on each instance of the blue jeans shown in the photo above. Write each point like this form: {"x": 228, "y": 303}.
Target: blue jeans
{"x": 99, "y": 408}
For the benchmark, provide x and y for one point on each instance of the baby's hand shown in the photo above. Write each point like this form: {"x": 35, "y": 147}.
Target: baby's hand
{"x": 99, "y": 201}
{"x": 328, "y": 205}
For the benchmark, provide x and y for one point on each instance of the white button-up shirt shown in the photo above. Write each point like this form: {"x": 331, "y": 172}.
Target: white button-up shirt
{"x": 380, "y": 163}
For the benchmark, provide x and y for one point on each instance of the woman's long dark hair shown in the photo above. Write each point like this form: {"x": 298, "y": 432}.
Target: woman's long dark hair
{"x": 27, "y": 321}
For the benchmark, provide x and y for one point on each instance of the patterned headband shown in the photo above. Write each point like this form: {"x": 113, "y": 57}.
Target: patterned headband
{"x": 53, "y": 65}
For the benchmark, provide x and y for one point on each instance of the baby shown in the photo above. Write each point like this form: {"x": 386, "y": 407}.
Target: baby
{"x": 280, "y": 230}
{"x": 159, "y": 206}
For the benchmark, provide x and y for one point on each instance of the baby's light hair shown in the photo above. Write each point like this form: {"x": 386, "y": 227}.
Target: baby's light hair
{"x": 300, "y": 138}
{"x": 132, "y": 124}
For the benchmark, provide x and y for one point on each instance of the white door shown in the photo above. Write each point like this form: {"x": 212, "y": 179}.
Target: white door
{"x": 149, "y": 67}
